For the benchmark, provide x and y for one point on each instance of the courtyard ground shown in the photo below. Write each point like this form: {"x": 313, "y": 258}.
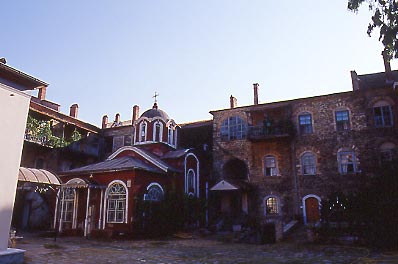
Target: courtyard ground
{"x": 191, "y": 249}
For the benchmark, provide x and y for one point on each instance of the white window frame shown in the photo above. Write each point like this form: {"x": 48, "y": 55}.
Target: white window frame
{"x": 233, "y": 127}
{"x": 381, "y": 119}
{"x": 151, "y": 186}
{"x": 344, "y": 163}
{"x": 303, "y": 127}
{"x": 342, "y": 124}
{"x": 308, "y": 156}
{"x": 160, "y": 132}
{"x": 67, "y": 203}
{"x": 273, "y": 170}
{"x": 278, "y": 205}
{"x": 142, "y": 138}
{"x": 107, "y": 210}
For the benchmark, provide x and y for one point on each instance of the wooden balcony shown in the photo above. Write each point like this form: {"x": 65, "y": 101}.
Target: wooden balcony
{"x": 264, "y": 132}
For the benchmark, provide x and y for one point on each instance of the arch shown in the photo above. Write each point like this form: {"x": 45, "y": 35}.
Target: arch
{"x": 196, "y": 174}
{"x": 308, "y": 163}
{"x": 157, "y": 131}
{"x": 142, "y": 133}
{"x": 170, "y": 134}
{"x": 309, "y": 196}
{"x": 235, "y": 169}
{"x": 272, "y": 205}
{"x": 387, "y": 152}
{"x": 155, "y": 192}
{"x": 116, "y": 206}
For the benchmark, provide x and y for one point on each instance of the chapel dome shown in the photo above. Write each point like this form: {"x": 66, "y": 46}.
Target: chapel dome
{"x": 155, "y": 112}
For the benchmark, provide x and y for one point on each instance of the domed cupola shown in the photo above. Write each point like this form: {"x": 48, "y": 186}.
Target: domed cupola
{"x": 155, "y": 112}
{"x": 155, "y": 126}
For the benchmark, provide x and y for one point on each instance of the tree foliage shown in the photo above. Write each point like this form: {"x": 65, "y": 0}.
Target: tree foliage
{"x": 385, "y": 17}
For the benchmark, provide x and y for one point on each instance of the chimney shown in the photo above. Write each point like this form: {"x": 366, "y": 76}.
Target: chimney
{"x": 73, "y": 110}
{"x": 233, "y": 102}
{"x": 354, "y": 80}
{"x": 387, "y": 66}
{"x": 255, "y": 87}
{"x": 42, "y": 93}
{"x": 104, "y": 121}
{"x": 117, "y": 118}
{"x": 136, "y": 113}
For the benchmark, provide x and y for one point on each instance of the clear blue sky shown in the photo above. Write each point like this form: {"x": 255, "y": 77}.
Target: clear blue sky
{"x": 110, "y": 55}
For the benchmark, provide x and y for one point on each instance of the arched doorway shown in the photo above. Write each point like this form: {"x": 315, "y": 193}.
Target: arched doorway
{"x": 311, "y": 208}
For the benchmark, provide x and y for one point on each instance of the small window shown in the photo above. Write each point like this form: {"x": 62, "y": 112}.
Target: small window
{"x": 271, "y": 205}
{"x": 154, "y": 193}
{"x": 116, "y": 210}
{"x": 191, "y": 181}
{"x": 170, "y": 138}
{"x": 158, "y": 132}
{"x": 142, "y": 132}
{"x": 387, "y": 153}
{"x": 233, "y": 128}
{"x": 342, "y": 120}
{"x": 382, "y": 115}
{"x": 347, "y": 162}
{"x": 308, "y": 164}
{"x": 305, "y": 123}
{"x": 270, "y": 168}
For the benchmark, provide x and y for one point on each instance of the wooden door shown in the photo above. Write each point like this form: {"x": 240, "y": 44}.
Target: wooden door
{"x": 312, "y": 210}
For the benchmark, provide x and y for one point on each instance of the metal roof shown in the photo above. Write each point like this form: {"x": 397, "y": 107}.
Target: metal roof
{"x": 37, "y": 176}
{"x": 117, "y": 164}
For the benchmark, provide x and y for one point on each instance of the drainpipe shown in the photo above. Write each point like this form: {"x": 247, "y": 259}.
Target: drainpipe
{"x": 295, "y": 180}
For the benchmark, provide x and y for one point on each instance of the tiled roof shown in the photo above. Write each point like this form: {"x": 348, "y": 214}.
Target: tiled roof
{"x": 377, "y": 80}
{"x": 117, "y": 164}
{"x": 175, "y": 154}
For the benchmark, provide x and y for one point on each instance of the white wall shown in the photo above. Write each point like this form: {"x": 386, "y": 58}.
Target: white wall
{"x": 14, "y": 106}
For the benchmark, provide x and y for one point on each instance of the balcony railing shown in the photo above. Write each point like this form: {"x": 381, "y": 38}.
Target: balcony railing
{"x": 259, "y": 132}
{"x": 42, "y": 140}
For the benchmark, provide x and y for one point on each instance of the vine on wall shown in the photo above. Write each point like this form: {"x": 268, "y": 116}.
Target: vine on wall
{"x": 39, "y": 131}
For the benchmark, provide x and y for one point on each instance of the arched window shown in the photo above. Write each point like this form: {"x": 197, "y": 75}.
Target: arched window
{"x": 170, "y": 137}
{"x": 68, "y": 205}
{"x": 233, "y": 128}
{"x": 154, "y": 193}
{"x": 191, "y": 181}
{"x": 142, "y": 134}
{"x": 382, "y": 114}
{"x": 270, "y": 166}
{"x": 387, "y": 151}
{"x": 271, "y": 205}
{"x": 305, "y": 123}
{"x": 117, "y": 200}
{"x": 308, "y": 164}
{"x": 157, "y": 131}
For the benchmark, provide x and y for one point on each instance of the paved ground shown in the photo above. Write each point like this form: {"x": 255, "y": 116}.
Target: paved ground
{"x": 191, "y": 250}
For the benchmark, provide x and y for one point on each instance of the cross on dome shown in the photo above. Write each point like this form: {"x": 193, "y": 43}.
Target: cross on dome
{"x": 155, "y": 96}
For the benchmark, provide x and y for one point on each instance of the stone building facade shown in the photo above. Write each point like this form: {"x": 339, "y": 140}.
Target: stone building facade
{"x": 278, "y": 161}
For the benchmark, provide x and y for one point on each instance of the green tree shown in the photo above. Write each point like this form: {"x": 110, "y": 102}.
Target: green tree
{"x": 385, "y": 17}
